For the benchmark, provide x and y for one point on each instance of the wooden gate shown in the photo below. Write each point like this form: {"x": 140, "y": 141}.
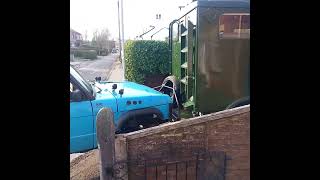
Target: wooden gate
{"x": 199, "y": 166}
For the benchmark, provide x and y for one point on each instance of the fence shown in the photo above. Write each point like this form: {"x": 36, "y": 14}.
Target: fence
{"x": 214, "y": 146}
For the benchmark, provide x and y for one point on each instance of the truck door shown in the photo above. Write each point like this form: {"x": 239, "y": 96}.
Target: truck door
{"x": 81, "y": 126}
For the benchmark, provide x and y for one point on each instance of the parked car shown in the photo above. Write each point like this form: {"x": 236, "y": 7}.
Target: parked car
{"x": 114, "y": 51}
{"x": 134, "y": 106}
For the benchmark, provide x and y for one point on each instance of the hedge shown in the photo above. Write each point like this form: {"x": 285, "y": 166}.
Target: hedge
{"x": 85, "y": 54}
{"x": 144, "y": 57}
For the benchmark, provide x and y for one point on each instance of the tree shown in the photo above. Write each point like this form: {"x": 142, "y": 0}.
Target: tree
{"x": 86, "y": 35}
{"x": 166, "y": 39}
{"x": 100, "y": 38}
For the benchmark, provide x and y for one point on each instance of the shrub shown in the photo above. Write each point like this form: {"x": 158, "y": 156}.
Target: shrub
{"x": 85, "y": 54}
{"x": 144, "y": 57}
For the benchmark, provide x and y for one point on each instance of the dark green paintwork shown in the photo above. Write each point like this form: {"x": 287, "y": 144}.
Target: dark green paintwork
{"x": 223, "y": 64}
{"x": 176, "y": 59}
{"x": 220, "y": 67}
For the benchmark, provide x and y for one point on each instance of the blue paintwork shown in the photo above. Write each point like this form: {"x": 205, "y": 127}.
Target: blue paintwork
{"x": 81, "y": 129}
{"x": 83, "y": 114}
{"x": 136, "y": 92}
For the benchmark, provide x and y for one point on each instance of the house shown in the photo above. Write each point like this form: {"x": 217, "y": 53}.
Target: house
{"x": 75, "y": 38}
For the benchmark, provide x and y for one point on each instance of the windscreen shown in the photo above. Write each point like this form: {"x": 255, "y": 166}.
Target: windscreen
{"x": 81, "y": 80}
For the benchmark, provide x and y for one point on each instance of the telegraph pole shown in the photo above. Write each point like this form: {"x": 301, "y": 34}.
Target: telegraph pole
{"x": 119, "y": 30}
{"x": 122, "y": 41}
{"x": 121, "y": 35}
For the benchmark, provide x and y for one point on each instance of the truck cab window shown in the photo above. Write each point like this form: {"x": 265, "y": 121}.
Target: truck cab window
{"x": 82, "y": 82}
{"x": 75, "y": 94}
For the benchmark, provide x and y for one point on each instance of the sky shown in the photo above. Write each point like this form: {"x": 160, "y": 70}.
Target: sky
{"x": 89, "y": 15}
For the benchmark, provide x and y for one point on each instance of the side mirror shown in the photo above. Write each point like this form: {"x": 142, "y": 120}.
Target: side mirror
{"x": 114, "y": 86}
{"x": 76, "y": 95}
{"x": 121, "y": 92}
{"x": 98, "y": 79}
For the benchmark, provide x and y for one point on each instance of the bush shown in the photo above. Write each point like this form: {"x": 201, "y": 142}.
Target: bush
{"x": 85, "y": 54}
{"x": 145, "y": 57}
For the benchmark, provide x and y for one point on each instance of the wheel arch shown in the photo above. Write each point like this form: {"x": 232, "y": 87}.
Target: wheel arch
{"x": 126, "y": 116}
{"x": 239, "y": 102}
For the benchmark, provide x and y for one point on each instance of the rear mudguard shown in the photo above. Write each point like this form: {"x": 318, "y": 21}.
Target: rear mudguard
{"x": 240, "y": 102}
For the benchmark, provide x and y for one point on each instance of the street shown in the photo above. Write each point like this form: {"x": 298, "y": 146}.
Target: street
{"x": 102, "y": 67}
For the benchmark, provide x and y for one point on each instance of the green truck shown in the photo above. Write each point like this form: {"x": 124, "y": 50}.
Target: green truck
{"x": 209, "y": 57}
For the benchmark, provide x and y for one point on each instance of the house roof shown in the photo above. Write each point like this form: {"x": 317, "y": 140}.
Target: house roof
{"x": 73, "y": 31}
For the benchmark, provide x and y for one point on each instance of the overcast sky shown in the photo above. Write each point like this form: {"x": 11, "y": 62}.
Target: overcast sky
{"x": 88, "y": 15}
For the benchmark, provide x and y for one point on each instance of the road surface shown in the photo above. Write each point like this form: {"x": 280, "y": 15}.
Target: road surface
{"x": 102, "y": 67}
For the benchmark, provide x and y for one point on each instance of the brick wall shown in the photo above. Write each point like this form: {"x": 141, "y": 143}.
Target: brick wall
{"x": 226, "y": 131}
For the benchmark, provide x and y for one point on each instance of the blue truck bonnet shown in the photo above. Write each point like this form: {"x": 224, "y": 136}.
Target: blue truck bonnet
{"x": 133, "y": 96}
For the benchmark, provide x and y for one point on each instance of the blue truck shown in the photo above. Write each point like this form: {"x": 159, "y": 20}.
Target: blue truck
{"x": 134, "y": 106}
